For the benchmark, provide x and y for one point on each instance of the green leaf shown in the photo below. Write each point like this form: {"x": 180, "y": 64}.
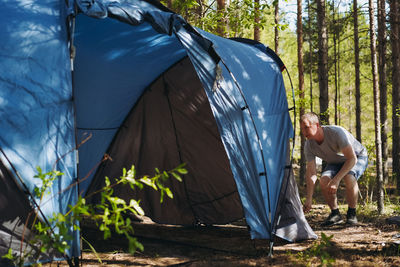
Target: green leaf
{"x": 117, "y": 201}
{"x": 177, "y": 177}
{"x": 9, "y": 255}
{"x": 182, "y": 171}
{"x": 131, "y": 180}
{"x": 147, "y": 181}
{"x": 92, "y": 249}
{"x": 169, "y": 193}
{"x": 107, "y": 181}
{"x": 162, "y": 196}
{"x": 60, "y": 217}
{"x": 134, "y": 204}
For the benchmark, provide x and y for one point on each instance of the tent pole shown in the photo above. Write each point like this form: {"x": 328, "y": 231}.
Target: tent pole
{"x": 70, "y": 23}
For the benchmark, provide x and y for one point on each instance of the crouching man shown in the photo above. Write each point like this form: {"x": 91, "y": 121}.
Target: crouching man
{"x": 346, "y": 160}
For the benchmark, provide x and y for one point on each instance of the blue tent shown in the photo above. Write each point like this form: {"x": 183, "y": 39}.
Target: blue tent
{"x": 138, "y": 83}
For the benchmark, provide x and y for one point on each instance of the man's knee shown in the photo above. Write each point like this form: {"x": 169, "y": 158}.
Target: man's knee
{"x": 350, "y": 181}
{"x": 324, "y": 181}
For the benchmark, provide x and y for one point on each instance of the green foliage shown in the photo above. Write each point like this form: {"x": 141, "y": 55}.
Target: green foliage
{"x": 9, "y": 255}
{"x": 238, "y": 18}
{"x": 241, "y": 15}
{"x": 47, "y": 181}
{"x": 396, "y": 208}
{"x": 318, "y": 250}
{"x": 368, "y": 212}
{"x": 111, "y": 214}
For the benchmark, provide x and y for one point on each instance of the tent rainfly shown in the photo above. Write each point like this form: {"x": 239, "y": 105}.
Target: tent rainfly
{"x": 151, "y": 91}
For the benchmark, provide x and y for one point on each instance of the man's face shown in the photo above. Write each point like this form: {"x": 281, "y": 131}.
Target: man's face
{"x": 308, "y": 129}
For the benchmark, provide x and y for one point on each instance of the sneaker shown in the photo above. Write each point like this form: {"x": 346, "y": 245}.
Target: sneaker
{"x": 351, "y": 219}
{"x": 332, "y": 220}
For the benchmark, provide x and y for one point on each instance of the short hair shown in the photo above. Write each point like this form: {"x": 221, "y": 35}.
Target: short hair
{"x": 311, "y": 117}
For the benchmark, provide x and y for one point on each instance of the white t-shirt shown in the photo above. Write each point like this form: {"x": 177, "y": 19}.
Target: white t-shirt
{"x": 335, "y": 139}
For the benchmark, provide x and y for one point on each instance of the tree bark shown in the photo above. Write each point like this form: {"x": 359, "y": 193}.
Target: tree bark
{"x": 221, "y": 28}
{"x": 357, "y": 71}
{"x": 169, "y": 4}
{"x": 383, "y": 83}
{"x": 378, "y": 142}
{"x": 200, "y": 13}
{"x": 310, "y": 54}
{"x": 301, "y": 85}
{"x": 276, "y": 28}
{"x": 322, "y": 62}
{"x": 395, "y": 40}
{"x": 256, "y": 20}
{"x": 335, "y": 55}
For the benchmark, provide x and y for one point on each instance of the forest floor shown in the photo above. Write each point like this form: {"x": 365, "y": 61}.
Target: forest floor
{"x": 373, "y": 242}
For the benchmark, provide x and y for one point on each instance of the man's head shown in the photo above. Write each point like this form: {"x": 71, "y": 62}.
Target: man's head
{"x": 309, "y": 124}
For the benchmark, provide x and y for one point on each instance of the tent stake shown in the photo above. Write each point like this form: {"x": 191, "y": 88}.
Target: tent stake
{"x": 73, "y": 262}
{"x": 271, "y": 246}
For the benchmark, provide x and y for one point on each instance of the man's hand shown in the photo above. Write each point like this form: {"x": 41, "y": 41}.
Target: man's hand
{"x": 307, "y": 205}
{"x": 333, "y": 186}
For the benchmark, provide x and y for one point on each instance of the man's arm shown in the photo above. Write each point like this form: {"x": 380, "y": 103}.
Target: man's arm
{"x": 311, "y": 178}
{"x": 351, "y": 160}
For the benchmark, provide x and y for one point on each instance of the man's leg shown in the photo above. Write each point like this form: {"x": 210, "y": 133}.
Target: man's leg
{"x": 331, "y": 199}
{"x": 351, "y": 190}
{"x": 351, "y": 197}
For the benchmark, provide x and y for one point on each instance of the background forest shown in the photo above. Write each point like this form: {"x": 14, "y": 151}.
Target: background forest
{"x": 343, "y": 59}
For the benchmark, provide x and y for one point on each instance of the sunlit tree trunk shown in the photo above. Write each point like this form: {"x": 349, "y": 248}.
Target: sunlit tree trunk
{"x": 338, "y": 77}
{"x": 335, "y": 55}
{"x": 200, "y": 13}
{"x": 221, "y": 29}
{"x": 322, "y": 62}
{"x": 378, "y": 142}
{"x": 276, "y": 28}
{"x": 382, "y": 82}
{"x": 395, "y": 40}
{"x": 310, "y": 54}
{"x": 357, "y": 71}
{"x": 301, "y": 85}
{"x": 256, "y": 20}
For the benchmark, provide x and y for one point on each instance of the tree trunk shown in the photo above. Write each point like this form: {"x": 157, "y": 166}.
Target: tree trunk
{"x": 378, "y": 142}
{"x": 382, "y": 83}
{"x": 221, "y": 28}
{"x": 277, "y": 27}
{"x": 338, "y": 77}
{"x": 322, "y": 62}
{"x": 301, "y": 85}
{"x": 357, "y": 71}
{"x": 257, "y": 20}
{"x": 395, "y": 40}
{"x": 310, "y": 54}
{"x": 200, "y": 13}
{"x": 169, "y": 4}
{"x": 335, "y": 55}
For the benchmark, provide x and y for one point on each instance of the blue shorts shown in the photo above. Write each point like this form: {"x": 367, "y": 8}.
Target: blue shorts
{"x": 332, "y": 169}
